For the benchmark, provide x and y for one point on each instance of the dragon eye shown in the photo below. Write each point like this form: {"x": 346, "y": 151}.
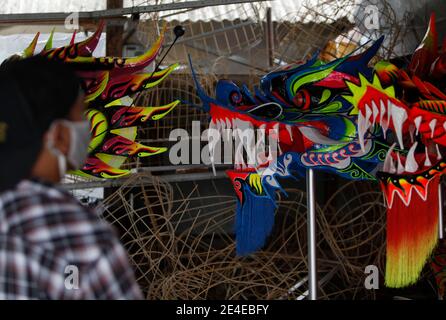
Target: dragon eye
{"x": 302, "y": 99}
{"x": 236, "y": 97}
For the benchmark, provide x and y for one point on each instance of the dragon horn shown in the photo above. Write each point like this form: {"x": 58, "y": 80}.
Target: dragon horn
{"x": 29, "y": 51}
{"x": 142, "y": 61}
{"x": 49, "y": 42}
{"x": 86, "y": 47}
{"x": 73, "y": 37}
{"x": 371, "y": 51}
{"x": 358, "y": 63}
{"x": 201, "y": 93}
{"x": 426, "y": 52}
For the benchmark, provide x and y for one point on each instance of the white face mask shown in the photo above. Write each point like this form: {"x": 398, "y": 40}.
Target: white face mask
{"x": 78, "y": 151}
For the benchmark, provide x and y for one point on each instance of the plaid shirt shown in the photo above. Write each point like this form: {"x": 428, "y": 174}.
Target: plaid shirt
{"x": 51, "y": 247}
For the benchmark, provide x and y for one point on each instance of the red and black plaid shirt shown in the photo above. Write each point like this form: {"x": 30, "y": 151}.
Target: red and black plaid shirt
{"x": 51, "y": 247}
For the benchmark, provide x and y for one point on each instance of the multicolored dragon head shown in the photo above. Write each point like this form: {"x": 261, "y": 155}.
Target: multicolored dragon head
{"x": 303, "y": 108}
{"x": 345, "y": 117}
{"x": 108, "y": 83}
{"x": 411, "y": 112}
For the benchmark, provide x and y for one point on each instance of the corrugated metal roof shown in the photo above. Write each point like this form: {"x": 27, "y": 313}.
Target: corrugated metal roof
{"x": 37, "y": 6}
{"x": 280, "y": 8}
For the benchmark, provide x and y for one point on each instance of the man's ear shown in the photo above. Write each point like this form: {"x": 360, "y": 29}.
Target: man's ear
{"x": 61, "y": 137}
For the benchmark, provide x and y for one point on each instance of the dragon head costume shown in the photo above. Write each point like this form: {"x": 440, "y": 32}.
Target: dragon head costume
{"x": 108, "y": 83}
{"x": 412, "y": 110}
{"x": 362, "y": 122}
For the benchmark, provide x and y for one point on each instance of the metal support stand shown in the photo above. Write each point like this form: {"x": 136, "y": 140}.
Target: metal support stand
{"x": 440, "y": 212}
{"x": 311, "y": 235}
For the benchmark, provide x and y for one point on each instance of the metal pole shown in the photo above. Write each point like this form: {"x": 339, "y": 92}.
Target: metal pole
{"x": 144, "y": 180}
{"x": 440, "y": 212}
{"x": 311, "y": 236}
{"x": 270, "y": 37}
{"x": 114, "y": 34}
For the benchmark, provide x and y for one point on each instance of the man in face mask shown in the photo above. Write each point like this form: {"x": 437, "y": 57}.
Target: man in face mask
{"x": 51, "y": 247}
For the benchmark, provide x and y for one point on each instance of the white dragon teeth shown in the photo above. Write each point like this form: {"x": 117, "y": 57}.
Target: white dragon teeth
{"x": 218, "y": 125}
{"x": 375, "y": 111}
{"x": 213, "y": 140}
{"x": 411, "y": 164}
{"x": 432, "y": 125}
{"x": 361, "y": 130}
{"x": 417, "y": 121}
{"x": 389, "y": 166}
{"x": 368, "y": 114}
{"x": 276, "y": 129}
{"x": 364, "y": 122}
{"x": 400, "y": 168}
{"x": 213, "y": 125}
{"x": 223, "y": 128}
{"x": 382, "y": 108}
{"x": 290, "y": 131}
{"x": 228, "y": 124}
{"x": 412, "y": 133}
{"x": 427, "y": 161}
{"x": 399, "y": 115}
{"x": 439, "y": 156}
{"x": 382, "y": 121}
